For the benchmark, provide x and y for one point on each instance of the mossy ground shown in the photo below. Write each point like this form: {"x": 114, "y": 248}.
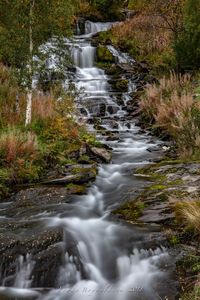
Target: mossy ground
{"x": 167, "y": 186}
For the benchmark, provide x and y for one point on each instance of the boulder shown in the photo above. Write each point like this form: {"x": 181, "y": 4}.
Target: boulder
{"x": 102, "y": 154}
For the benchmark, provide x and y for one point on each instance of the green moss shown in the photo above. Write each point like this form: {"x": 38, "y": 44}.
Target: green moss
{"x": 130, "y": 211}
{"x": 75, "y": 188}
{"x": 174, "y": 240}
{"x": 194, "y": 294}
{"x": 157, "y": 187}
{"x": 84, "y": 171}
{"x": 104, "y": 55}
{"x": 122, "y": 85}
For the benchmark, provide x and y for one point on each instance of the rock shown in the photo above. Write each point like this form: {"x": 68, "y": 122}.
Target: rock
{"x": 102, "y": 154}
{"x": 110, "y": 109}
{"x": 83, "y": 150}
{"x": 102, "y": 109}
{"x": 129, "y": 108}
{"x": 45, "y": 249}
{"x": 82, "y": 176}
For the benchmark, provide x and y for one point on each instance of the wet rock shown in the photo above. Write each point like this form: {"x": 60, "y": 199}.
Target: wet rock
{"x": 129, "y": 108}
{"x": 83, "y": 176}
{"x": 102, "y": 154}
{"x": 46, "y": 253}
{"x": 102, "y": 109}
{"x": 110, "y": 109}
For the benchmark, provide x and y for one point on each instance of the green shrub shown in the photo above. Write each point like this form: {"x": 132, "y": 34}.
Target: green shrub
{"x": 187, "y": 46}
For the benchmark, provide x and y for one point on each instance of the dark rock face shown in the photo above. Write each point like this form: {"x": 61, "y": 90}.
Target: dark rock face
{"x": 27, "y": 234}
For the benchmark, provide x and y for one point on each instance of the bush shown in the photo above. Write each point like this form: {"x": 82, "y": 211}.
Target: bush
{"x": 187, "y": 46}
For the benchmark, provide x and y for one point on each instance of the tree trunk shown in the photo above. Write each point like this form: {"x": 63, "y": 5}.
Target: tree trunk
{"x": 29, "y": 107}
{"x": 30, "y": 83}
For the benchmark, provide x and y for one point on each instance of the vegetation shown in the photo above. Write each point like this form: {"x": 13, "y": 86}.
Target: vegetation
{"x": 26, "y": 153}
{"x": 170, "y": 106}
{"x": 24, "y": 27}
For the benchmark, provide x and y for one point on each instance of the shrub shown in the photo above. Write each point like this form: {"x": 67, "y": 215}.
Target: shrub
{"x": 187, "y": 46}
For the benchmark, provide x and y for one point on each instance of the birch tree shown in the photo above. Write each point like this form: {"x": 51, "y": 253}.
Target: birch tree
{"x": 24, "y": 26}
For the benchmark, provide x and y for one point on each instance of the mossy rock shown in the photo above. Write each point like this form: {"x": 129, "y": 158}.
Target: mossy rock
{"x": 76, "y": 189}
{"x": 104, "y": 55}
{"x": 130, "y": 211}
{"x": 122, "y": 85}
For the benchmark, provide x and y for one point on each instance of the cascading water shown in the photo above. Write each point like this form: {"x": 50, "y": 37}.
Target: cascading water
{"x": 114, "y": 265}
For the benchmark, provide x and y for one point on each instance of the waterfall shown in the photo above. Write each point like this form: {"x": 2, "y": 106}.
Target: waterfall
{"x": 115, "y": 265}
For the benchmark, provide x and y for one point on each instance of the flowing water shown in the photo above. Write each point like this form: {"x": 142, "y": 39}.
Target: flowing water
{"x": 115, "y": 264}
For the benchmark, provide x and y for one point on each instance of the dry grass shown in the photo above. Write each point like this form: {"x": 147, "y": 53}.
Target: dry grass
{"x": 16, "y": 145}
{"x": 43, "y": 106}
{"x": 168, "y": 98}
{"x": 147, "y": 32}
{"x": 187, "y": 213}
{"x": 170, "y": 105}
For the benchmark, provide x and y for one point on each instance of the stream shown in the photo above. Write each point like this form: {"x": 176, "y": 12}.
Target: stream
{"x": 116, "y": 259}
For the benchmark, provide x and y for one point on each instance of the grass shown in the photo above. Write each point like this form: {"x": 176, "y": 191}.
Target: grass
{"x": 171, "y": 107}
{"x": 16, "y": 145}
{"x": 188, "y": 214}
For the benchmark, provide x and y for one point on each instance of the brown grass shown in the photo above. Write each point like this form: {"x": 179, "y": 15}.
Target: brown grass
{"x": 15, "y": 145}
{"x": 147, "y": 32}
{"x": 188, "y": 213}
{"x": 43, "y": 106}
{"x": 170, "y": 105}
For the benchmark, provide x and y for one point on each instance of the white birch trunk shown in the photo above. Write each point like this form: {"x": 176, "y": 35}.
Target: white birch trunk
{"x": 29, "y": 107}
{"x": 30, "y": 88}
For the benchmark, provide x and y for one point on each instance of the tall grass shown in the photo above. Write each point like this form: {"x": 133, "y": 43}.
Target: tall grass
{"x": 146, "y": 31}
{"x": 43, "y": 106}
{"x": 188, "y": 214}
{"x": 16, "y": 145}
{"x": 170, "y": 106}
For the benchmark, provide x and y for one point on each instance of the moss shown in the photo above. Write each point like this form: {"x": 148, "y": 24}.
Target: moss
{"x": 130, "y": 211}
{"x": 104, "y": 55}
{"x": 157, "y": 187}
{"x": 174, "y": 240}
{"x": 84, "y": 171}
{"x": 76, "y": 189}
{"x": 122, "y": 85}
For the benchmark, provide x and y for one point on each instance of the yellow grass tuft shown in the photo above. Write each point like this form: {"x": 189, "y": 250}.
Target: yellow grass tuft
{"x": 188, "y": 213}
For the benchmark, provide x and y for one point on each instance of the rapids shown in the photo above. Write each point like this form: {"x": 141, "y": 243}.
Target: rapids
{"x": 115, "y": 263}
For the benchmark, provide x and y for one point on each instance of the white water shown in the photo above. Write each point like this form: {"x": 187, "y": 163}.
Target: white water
{"x": 114, "y": 271}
